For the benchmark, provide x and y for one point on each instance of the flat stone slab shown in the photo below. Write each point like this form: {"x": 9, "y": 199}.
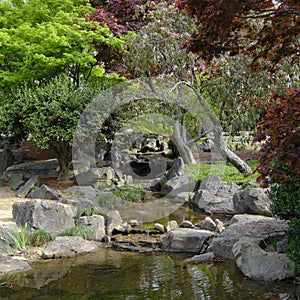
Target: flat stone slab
{"x": 63, "y": 247}
{"x": 10, "y": 265}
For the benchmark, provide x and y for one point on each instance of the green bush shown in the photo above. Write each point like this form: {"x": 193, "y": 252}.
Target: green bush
{"x": 286, "y": 205}
{"x": 83, "y": 231}
{"x": 40, "y": 237}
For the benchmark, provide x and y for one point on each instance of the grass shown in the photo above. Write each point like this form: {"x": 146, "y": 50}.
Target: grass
{"x": 83, "y": 231}
{"x": 89, "y": 211}
{"x": 20, "y": 239}
{"x": 226, "y": 171}
{"x": 130, "y": 193}
{"x": 40, "y": 237}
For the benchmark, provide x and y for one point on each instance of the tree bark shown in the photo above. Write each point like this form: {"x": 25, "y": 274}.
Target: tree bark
{"x": 184, "y": 150}
{"x": 229, "y": 155}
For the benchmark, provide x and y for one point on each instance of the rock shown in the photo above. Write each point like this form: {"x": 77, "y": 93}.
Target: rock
{"x": 219, "y": 225}
{"x": 258, "y": 264}
{"x": 159, "y": 227}
{"x": 26, "y": 188}
{"x": 88, "y": 178}
{"x": 252, "y": 201}
{"x": 44, "y": 192}
{"x": 137, "y": 243}
{"x": 200, "y": 258}
{"x": 215, "y": 196}
{"x": 257, "y": 228}
{"x": 207, "y": 146}
{"x": 207, "y": 224}
{"x": 177, "y": 169}
{"x": 114, "y": 219}
{"x": 171, "y": 225}
{"x": 43, "y": 169}
{"x": 39, "y": 214}
{"x": 6, "y": 159}
{"x": 10, "y": 265}
{"x": 186, "y": 224}
{"x": 4, "y": 180}
{"x": 15, "y": 181}
{"x": 63, "y": 247}
{"x": 134, "y": 223}
{"x": 97, "y": 223}
{"x": 177, "y": 185}
{"x": 87, "y": 192}
{"x": 187, "y": 240}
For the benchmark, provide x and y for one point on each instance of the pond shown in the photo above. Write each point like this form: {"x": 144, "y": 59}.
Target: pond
{"x": 109, "y": 274}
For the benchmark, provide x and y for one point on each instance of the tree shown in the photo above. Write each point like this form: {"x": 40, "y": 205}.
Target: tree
{"x": 261, "y": 29}
{"x": 40, "y": 39}
{"x": 265, "y": 31}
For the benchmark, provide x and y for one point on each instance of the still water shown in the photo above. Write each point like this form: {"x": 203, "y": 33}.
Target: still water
{"x": 108, "y": 274}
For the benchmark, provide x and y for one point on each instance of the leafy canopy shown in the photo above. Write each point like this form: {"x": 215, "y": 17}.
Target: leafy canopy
{"x": 40, "y": 39}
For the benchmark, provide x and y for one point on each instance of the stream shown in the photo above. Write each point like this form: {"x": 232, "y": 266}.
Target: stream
{"x": 110, "y": 274}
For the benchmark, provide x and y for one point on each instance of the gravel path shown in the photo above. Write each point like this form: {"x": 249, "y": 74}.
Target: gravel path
{"x": 7, "y": 199}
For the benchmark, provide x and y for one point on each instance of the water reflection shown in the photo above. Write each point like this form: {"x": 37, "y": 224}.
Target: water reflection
{"x": 130, "y": 276}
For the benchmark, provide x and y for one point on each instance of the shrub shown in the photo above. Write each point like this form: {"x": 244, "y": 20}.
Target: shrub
{"x": 279, "y": 160}
{"x": 40, "y": 237}
{"x": 83, "y": 231}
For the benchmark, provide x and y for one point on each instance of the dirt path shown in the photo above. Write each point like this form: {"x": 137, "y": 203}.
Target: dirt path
{"x": 7, "y": 199}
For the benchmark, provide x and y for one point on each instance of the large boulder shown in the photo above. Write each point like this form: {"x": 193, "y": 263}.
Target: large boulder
{"x": 10, "y": 265}
{"x": 252, "y": 201}
{"x": 39, "y": 214}
{"x": 177, "y": 185}
{"x": 96, "y": 223}
{"x": 260, "y": 229}
{"x": 215, "y": 196}
{"x": 176, "y": 170}
{"x": 43, "y": 169}
{"x": 187, "y": 240}
{"x": 63, "y": 247}
{"x": 258, "y": 264}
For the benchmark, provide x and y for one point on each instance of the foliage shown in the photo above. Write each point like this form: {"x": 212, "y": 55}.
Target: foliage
{"x": 261, "y": 29}
{"x": 84, "y": 231}
{"x": 239, "y": 96}
{"x": 40, "y": 39}
{"x": 89, "y": 211}
{"x": 227, "y": 172}
{"x": 130, "y": 193}
{"x": 49, "y": 113}
{"x": 40, "y": 237}
{"x": 279, "y": 132}
{"x": 294, "y": 241}
{"x": 155, "y": 48}
{"x": 20, "y": 240}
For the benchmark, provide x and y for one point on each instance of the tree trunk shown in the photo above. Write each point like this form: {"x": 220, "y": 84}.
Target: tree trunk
{"x": 184, "y": 150}
{"x": 229, "y": 155}
{"x": 64, "y": 157}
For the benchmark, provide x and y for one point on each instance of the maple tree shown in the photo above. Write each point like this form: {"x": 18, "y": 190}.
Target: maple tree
{"x": 262, "y": 29}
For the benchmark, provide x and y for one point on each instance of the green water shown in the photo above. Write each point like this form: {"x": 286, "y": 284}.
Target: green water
{"x": 108, "y": 274}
